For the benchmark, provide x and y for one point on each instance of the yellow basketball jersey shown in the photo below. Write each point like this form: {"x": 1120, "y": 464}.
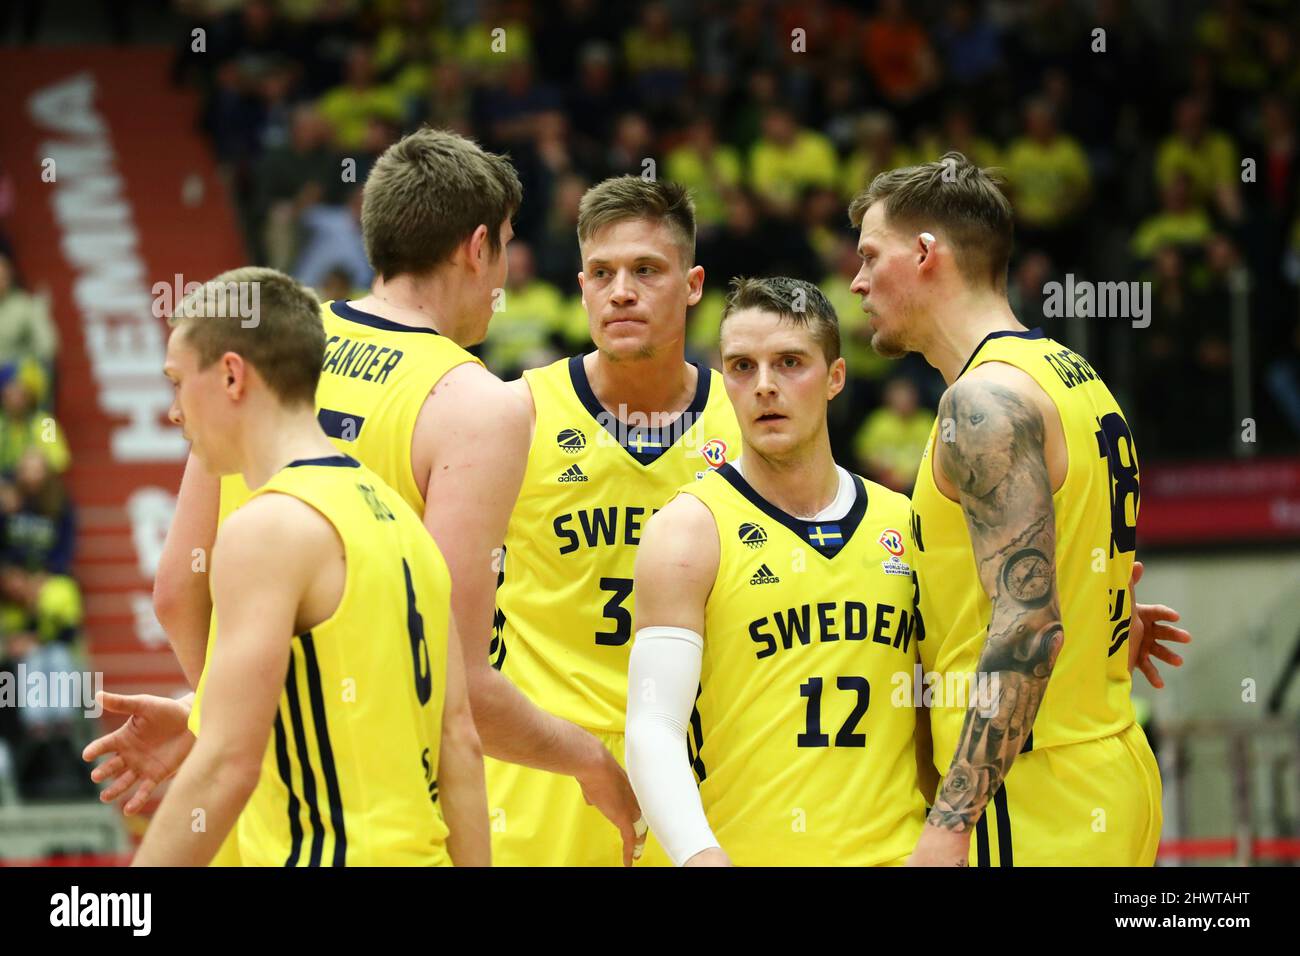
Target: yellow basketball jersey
{"x": 350, "y": 772}
{"x": 1096, "y": 520}
{"x": 564, "y": 602}
{"x": 803, "y": 754}
{"x": 375, "y": 379}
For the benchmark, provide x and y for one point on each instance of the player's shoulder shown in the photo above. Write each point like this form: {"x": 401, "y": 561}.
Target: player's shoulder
{"x": 683, "y": 533}
{"x": 993, "y": 372}
{"x": 271, "y": 525}
{"x": 685, "y": 515}
{"x": 992, "y": 388}
{"x": 471, "y": 394}
{"x": 680, "y": 541}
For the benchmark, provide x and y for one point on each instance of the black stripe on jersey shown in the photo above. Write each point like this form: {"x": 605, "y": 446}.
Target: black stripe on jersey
{"x": 497, "y": 647}
{"x": 1004, "y": 827}
{"x": 318, "y": 716}
{"x": 804, "y": 529}
{"x": 645, "y": 445}
{"x": 1028, "y": 334}
{"x": 697, "y": 730}
{"x": 329, "y": 461}
{"x": 1029, "y": 742}
{"x": 345, "y": 311}
{"x": 338, "y": 424}
{"x": 982, "y": 841}
{"x": 286, "y": 776}
{"x": 304, "y": 764}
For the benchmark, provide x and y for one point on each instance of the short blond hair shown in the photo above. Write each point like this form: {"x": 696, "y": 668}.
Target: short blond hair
{"x": 427, "y": 194}
{"x": 630, "y": 197}
{"x": 285, "y": 341}
{"x": 956, "y": 196}
{"x": 797, "y": 301}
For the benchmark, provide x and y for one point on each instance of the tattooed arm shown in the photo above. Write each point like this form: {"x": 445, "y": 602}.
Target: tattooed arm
{"x": 997, "y": 465}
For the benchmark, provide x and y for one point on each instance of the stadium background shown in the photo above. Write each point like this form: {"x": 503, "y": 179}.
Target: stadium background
{"x": 144, "y": 142}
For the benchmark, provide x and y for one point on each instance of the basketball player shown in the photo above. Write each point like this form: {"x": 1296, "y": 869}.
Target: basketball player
{"x": 1023, "y": 517}
{"x": 400, "y": 393}
{"x": 321, "y": 580}
{"x": 774, "y": 615}
{"x": 614, "y": 434}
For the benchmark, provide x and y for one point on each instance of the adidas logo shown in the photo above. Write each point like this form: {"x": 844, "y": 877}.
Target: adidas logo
{"x": 573, "y": 473}
{"x": 764, "y": 575}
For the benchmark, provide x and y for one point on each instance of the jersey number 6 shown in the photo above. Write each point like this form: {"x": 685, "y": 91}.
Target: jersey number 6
{"x": 419, "y": 648}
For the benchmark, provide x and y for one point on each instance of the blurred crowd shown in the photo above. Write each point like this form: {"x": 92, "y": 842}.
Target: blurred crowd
{"x": 1121, "y": 130}
{"x": 40, "y": 602}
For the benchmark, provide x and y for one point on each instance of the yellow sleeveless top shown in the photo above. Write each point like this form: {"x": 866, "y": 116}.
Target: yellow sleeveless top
{"x": 1096, "y": 522}
{"x": 803, "y": 754}
{"x": 564, "y": 601}
{"x": 350, "y": 772}
{"x": 375, "y": 379}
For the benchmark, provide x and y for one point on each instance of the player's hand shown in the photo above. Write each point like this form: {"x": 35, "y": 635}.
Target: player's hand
{"x": 607, "y": 788}
{"x": 713, "y": 856}
{"x": 1151, "y": 624}
{"x": 940, "y": 847}
{"x": 146, "y": 750}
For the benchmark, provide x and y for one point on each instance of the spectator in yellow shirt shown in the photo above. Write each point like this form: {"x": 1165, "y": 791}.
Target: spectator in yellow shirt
{"x": 23, "y": 425}
{"x": 1178, "y": 223}
{"x": 658, "y": 57}
{"x": 707, "y": 169}
{"x": 877, "y": 150}
{"x": 349, "y": 107}
{"x": 892, "y": 440}
{"x": 530, "y": 319}
{"x": 47, "y": 605}
{"x": 1050, "y": 180}
{"x": 1207, "y": 157}
{"x": 26, "y": 328}
{"x": 787, "y": 159}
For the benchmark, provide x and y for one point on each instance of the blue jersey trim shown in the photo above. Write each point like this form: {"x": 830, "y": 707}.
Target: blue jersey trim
{"x": 329, "y": 461}
{"x": 347, "y": 312}
{"x": 1027, "y": 334}
{"x": 827, "y": 538}
{"x": 646, "y": 445}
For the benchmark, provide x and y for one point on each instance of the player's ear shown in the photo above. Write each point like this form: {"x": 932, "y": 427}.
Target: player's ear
{"x": 695, "y": 281}
{"x": 477, "y": 247}
{"x": 925, "y": 248}
{"x": 836, "y": 378}
{"x": 234, "y": 374}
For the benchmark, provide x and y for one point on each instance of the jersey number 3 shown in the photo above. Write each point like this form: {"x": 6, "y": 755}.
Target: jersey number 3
{"x": 614, "y": 609}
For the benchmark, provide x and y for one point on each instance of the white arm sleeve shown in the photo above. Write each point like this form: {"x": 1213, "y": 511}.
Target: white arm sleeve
{"x": 663, "y": 676}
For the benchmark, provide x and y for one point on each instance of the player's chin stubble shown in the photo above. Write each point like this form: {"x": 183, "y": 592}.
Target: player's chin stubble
{"x": 640, "y": 354}
{"x": 887, "y": 346}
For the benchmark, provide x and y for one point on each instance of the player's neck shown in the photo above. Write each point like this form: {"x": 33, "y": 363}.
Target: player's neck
{"x": 407, "y": 300}
{"x": 958, "y": 328}
{"x": 659, "y": 386}
{"x": 802, "y": 485}
{"x": 274, "y": 437}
